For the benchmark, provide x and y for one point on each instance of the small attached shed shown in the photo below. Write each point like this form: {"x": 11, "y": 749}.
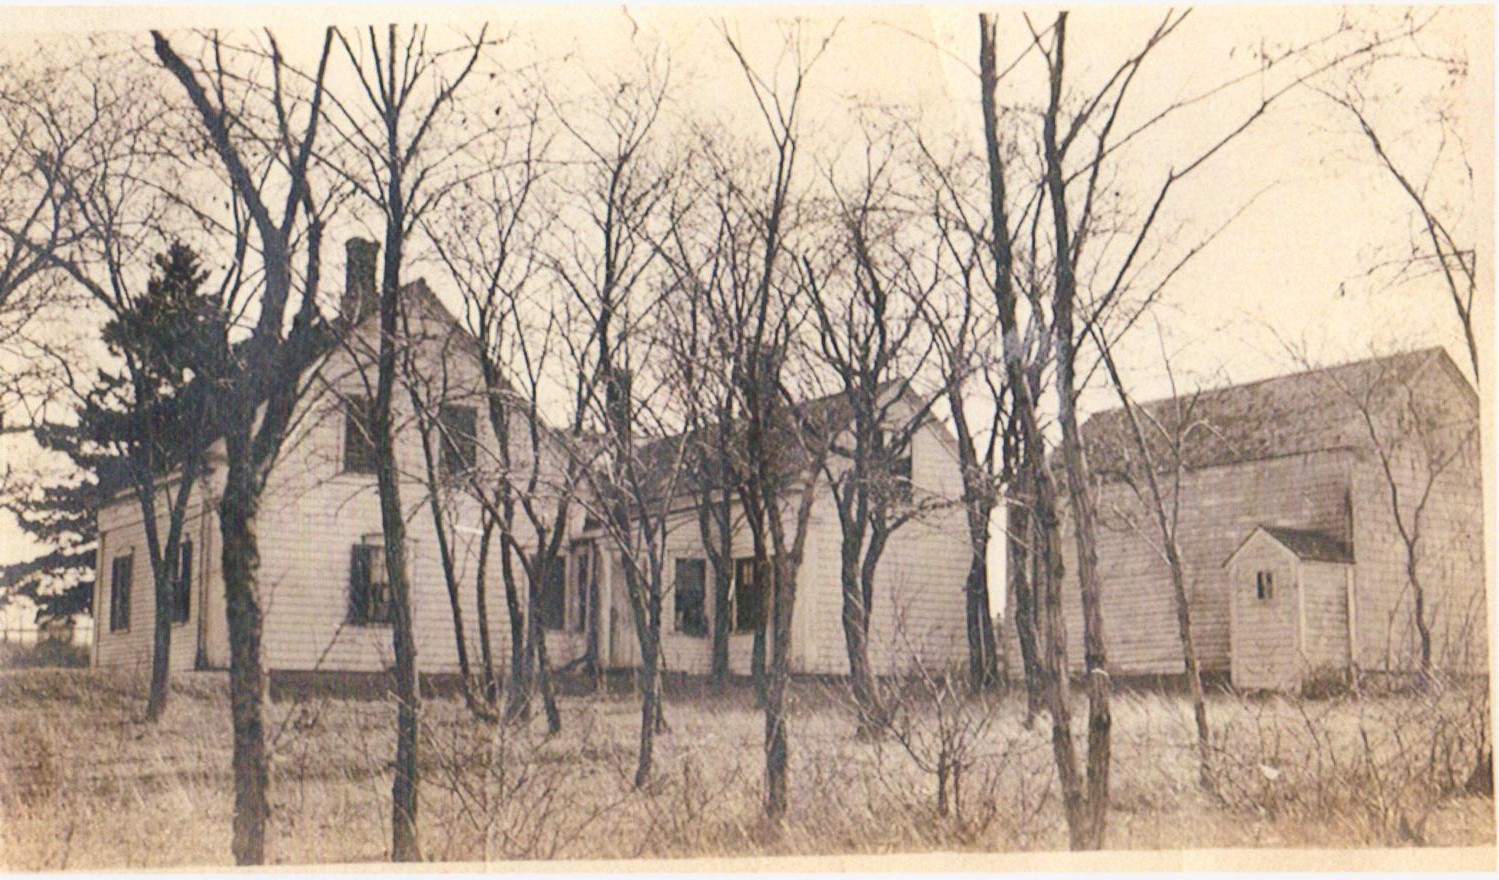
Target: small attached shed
{"x": 1290, "y": 597}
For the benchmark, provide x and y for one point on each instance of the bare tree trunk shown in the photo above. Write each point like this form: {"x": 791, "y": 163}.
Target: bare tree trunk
{"x": 983, "y": 651}
{"x": 720, "y": 542}
{"x": 247, "y": 684}
{"x": 1418, "y": 611}
{"x": 544, "y": 683}
{"x": 777, "y": 743}
{"x": 855, "y": 619}
{"x": 1090, "y": 835}
{"x": 481, "y": 607}
{"x": 1022, "y": 560}
{"x": 1189, "y": 659}
{"x": 404, "y": 847}
{"x": 517, "y": 687}
{"x": 161, "y": 640}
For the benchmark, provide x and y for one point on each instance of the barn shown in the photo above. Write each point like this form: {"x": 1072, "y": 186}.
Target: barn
{"x": 1330, "y": 523}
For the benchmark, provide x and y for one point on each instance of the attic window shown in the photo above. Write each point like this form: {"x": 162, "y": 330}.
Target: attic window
{"x": 459, "y": 447}
{"x": 359, "y": 438}
{"x": 900, "y": 477}
{"x": 1264, "y": 585}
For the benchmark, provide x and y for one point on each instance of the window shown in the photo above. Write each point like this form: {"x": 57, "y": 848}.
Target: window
{"x": 359, "y": 437}
{"x": 900, "y": 479}
{"x": 690, "y": 616}
{"x": 1264, "y": 585}
{"x": 552, "y": 601}
{"x": 748, "y": 601}
{"x": 459, "y": 430}
{"x": 182, "y": 584}
{"x": 370, "y": 599}
{"x": 582, "y": 580}
{"x": 120, "y": 575}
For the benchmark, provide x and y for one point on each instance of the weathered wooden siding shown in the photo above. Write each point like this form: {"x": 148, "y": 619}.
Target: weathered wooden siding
{"x": 1324, "y": 597}
{"x": 1266, "y": 633}
{"x": 1220, "y": 507}
{"x": 1450, "y": 566}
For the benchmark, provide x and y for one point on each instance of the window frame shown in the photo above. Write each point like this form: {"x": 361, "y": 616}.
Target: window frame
{"x": 550, "y": 620}
{"x": 357, "y": 408}
{"x": 702, "y": 628}
{"x": 119, "y": 609}
{"x": 458, "y": 450}
{"x": 580, "y": 571}
{"x": 760, "y": 581}
{"x": 1264, "y": 585}
{"x": 361, "y": 611}
{"x": 182, "y": 584}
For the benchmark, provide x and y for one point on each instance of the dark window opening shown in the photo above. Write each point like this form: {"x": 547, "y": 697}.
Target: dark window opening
{"x": 459, "y": 426}
{"x": 582, "y": 581}
{"x": 121, "y": 572}
{"x": 1264, "y": 585}
{"x": 370, "y": 599}
{"x": 900, "y": 478}
{"x": 359, "y": 437}
{"x": 751, "y": 583}
{"x": 182, "y": 584}
{"x": 553, "y": 597}
{"x": 691, "y": 618}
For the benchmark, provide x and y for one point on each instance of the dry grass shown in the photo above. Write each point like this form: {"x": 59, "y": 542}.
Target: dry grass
{"x": 84, "y": 785}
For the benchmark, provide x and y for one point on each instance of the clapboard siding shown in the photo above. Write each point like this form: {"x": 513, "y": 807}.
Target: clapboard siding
{"x": 1220, "y": 506}
{"x": 122, "y": 528}
{"x": 314, "y": 513}
{"x": 918, "y": 608}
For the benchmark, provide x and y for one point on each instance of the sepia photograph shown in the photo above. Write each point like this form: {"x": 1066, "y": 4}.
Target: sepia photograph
{"x": 773, "y": 437}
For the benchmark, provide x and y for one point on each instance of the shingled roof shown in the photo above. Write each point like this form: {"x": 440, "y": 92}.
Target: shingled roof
{"x": 1312, "y": 546}
{"x": 1295, "y": 413}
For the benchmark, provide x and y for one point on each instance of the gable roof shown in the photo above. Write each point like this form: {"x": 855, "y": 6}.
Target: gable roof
{"x": 1308, "y": 545}
{"x": 1295, "y": 413}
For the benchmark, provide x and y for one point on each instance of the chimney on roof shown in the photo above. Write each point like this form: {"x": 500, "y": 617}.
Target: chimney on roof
{"x": 358, "y": 298}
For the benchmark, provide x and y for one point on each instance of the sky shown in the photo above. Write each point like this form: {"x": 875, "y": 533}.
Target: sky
{"x": 1311, "y": 210}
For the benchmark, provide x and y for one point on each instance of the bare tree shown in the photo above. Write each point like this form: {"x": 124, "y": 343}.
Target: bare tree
{"x": 705, "y": 254}
{"x": 1419, "y": 441}
{"x": 869, "y": 338}
{"x": 1455, "y": 261}
{"x": 1156, "y": 438}
{"x": 97, "y": 210}
{"x": 408, "y": 90}
{"x": 608, "y": 270}
{"x": 259, "y": 376}
{"x": 785, "y": 448}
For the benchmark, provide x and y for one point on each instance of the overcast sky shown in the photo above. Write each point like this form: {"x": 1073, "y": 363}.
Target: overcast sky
{"x": 1314, "y": 212}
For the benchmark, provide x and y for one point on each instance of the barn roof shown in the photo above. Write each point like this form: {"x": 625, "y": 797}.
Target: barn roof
{"x": 1301, "y": 412}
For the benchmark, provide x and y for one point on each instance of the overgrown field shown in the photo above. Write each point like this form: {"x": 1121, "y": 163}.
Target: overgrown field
{"x": 84, "y": 785}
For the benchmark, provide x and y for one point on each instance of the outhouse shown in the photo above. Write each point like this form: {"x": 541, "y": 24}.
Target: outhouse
{"x": 1290, "y": 616}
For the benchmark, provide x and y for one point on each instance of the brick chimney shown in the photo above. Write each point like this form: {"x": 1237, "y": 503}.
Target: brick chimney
{"x": 358, "y": 300}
